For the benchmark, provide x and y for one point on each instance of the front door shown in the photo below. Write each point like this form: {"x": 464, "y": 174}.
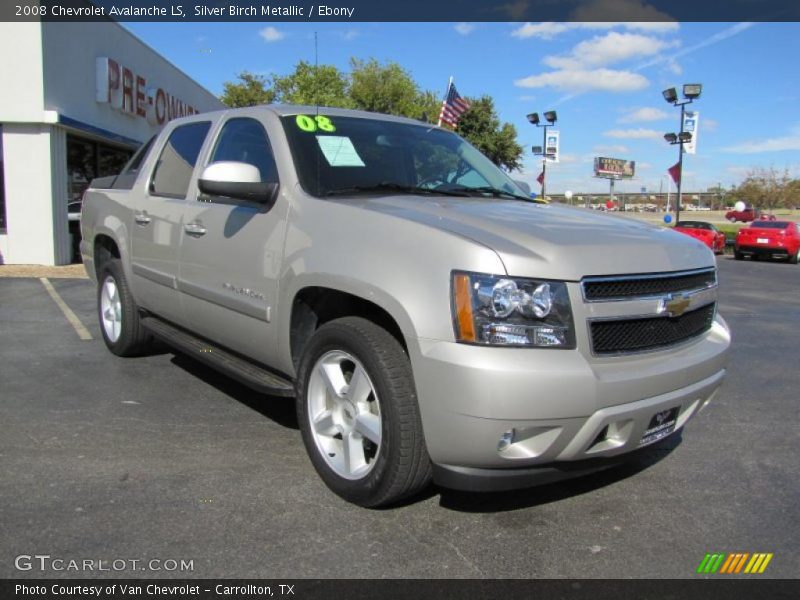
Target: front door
{"x": 231, "y": 252}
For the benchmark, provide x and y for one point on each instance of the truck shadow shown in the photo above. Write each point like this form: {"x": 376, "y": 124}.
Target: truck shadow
{"x": 490, "y": 502}
{"x": 279, "y": 410}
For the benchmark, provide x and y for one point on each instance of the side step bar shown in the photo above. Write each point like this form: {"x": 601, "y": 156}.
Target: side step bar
{"x": 244, "y": 371}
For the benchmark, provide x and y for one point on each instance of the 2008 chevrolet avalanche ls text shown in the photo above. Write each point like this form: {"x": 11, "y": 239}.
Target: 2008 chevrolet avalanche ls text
{"x": 431, "y": 320}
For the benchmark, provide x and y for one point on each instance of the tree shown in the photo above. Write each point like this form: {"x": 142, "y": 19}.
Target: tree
{"x": 251, "y": 90}
{"x": 324, "y": 85}
{"x": 481, "y": 126}
{"x": 766, "y": 188}
{"x": 387, "y": 89}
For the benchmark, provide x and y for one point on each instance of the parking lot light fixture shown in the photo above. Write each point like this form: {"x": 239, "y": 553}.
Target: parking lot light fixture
{"x": 533, "y": 118}
{"x": 692, "y": 91}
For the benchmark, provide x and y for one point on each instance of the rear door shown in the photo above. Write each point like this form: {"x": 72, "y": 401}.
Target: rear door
{"x": 157, "y": 226}
{"x": 231, "y": 250}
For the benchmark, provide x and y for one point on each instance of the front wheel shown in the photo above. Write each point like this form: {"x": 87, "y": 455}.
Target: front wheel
{"x": 358, "y": 414}
{"x": 118, "y": 312}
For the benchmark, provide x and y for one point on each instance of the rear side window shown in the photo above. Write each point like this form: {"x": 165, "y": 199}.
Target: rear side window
{"x": 244, "y": 140}
{"x": 174, "y": 168}
{"x": 130, "y": 172}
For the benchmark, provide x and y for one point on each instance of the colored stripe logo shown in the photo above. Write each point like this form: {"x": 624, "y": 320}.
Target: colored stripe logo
{"x": 735, "y": 563}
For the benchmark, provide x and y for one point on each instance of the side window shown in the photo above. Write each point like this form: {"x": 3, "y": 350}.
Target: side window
{"x": 130, "y": 172}
{"x": 174, "y": 168}
{"x": 244, "y": 140}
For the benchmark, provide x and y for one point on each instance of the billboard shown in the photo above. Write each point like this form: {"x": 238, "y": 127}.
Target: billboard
{"x": 617, "y": 168}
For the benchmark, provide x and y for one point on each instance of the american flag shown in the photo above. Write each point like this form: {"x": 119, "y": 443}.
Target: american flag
{"x": 453, "y": 107}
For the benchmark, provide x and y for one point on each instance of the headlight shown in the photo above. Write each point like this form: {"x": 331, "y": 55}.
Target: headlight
{"x": 506, "y": 311}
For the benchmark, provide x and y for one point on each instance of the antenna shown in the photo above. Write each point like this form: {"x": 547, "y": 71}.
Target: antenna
{"x": 316, "y": 72}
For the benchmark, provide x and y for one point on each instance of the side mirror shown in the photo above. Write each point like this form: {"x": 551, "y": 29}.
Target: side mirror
{"x": 523, "y": 185}
{"x": 236, "y": 180}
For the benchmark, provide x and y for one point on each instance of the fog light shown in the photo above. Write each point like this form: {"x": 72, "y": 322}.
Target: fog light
{"x": 505, "y": 440}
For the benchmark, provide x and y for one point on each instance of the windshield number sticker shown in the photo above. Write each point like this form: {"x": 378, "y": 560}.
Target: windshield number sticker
{"x": 310, "y": 125}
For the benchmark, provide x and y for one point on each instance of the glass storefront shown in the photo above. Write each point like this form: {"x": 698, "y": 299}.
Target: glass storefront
{"x": 87, "y": 159}
{"x": 2, "y": 186}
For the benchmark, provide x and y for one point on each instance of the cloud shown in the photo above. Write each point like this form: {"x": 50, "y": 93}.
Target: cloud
{"x": 526, "y": 98}
{"x": 643, "y": 115}
{"x": 673, "y": 67}
{"x": 611, "y": 149}
{"x": 709, "y": 124}
{"x": 607, "y": 49}
{"x": 714, "y": 39}
{"x": 349, "y": 34}
{"x": 464, "y": 28}
{"x": 634, "y": 134}
{"x": 549, "y": 30}
{"x": 271, "y": 34}
{"x": 776, "y": 144}
{"x": 580, "y": 80}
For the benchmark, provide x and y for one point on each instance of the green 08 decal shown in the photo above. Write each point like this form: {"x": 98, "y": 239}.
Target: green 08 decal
{"x": 311, "y": 124}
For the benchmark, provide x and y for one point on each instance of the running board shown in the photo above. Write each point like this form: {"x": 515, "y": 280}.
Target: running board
{"x": 240, "y": 369}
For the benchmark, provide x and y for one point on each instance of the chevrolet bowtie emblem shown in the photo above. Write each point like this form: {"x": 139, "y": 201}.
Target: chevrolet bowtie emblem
{"x": 674, "y": 304}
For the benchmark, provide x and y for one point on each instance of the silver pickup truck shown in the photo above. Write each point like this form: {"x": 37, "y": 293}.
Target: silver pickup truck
{"x": 431, "y": 320}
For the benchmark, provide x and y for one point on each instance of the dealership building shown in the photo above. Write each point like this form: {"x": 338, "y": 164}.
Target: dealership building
{"x": 78, "y": 99}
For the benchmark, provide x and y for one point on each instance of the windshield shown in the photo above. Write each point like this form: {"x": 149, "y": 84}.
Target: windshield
{"x": 694, "y": 225}
{"x": 339, "y": 155}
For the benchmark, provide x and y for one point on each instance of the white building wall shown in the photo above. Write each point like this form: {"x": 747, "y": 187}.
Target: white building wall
{"x": 22, "y": 95}
{"x": 27, "y": 152}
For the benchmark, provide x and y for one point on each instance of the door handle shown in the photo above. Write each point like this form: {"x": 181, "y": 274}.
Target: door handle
{"x": 142, "y": 218}
{"x": 194, "y": 229}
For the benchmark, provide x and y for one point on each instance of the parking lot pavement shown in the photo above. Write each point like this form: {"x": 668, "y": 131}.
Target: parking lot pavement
{"x": 156, "y": 458}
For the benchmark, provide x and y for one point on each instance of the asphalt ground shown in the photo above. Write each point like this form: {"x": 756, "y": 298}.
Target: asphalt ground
{"x": 103, "y": 458}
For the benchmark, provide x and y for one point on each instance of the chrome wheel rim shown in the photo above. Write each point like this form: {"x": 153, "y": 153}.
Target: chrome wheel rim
{"x": 344, "y": 415}
{"x": 111, "y": 309}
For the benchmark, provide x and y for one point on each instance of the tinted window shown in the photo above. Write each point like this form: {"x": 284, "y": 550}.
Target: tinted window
{"x": 694, "y": 225}
{"x": 174, "y": 168}
{"x": 244, "y": 140}
{"x": 770, "y": 224}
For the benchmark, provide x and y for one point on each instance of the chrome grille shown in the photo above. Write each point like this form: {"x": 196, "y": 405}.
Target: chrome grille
{"x": 598, "y": 289}
{"x": 637, "y": 335}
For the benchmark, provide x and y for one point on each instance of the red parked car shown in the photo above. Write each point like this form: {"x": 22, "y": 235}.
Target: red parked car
{"x": 705, "y": 232}
{"x": 770, "y": 239}
{"x": 745, "y": 216}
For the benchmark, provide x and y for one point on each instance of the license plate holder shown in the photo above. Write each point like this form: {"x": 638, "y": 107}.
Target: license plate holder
{"x": 661, "y": 425}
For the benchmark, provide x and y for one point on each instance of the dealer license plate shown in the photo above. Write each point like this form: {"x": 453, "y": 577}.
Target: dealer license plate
{"x": 661, "y": 425}
{"x": 762, "y": 240}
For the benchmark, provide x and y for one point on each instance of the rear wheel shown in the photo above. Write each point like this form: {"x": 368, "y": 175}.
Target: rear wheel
{"x": 738, "y": 255}
{"x": 794, "y": 259}
{"x": 118, "y": 312}
{"x": 358, "y": 413}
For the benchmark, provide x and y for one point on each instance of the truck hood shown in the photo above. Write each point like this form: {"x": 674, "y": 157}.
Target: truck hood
{"x": 550, "y": 240}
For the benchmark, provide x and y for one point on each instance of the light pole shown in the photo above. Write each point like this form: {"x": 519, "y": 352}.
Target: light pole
{"x": 551, "y": 117}
{"x": 691, "y": 92}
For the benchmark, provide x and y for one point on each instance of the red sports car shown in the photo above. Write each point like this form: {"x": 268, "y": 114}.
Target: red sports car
{"x": 769, "y": 238}
{"x": 705, "y": 232}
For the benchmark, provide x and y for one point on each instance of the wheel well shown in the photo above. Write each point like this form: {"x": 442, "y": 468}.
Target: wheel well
{"x": 315, "y": 306}
{"x": 105, "y": 249}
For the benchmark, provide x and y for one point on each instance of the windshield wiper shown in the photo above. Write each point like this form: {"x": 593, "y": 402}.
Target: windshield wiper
{"x": 496, "y": 192}
{"x": 395, "y": 187}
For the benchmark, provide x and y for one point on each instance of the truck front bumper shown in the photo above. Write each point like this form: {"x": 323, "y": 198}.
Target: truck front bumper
{"x": 504, "y": 418}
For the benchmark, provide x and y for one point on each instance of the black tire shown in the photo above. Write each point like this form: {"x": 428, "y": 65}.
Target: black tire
{"x": 795, "y": 258}
{"x": 401, "y": 466}
{"x": 132, "y": 340}
{"x": 738, "y": 255}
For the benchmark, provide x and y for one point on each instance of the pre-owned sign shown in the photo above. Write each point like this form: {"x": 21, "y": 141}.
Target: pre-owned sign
{"x": 126, "y": 91}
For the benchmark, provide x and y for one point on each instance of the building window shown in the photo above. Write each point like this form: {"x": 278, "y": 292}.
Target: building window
{"x": 86, "y": 160}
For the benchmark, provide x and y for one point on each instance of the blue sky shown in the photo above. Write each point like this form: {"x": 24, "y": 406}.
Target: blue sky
{"x": 604, "y": 79}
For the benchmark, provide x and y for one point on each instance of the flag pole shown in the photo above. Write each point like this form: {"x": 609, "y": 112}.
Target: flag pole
{"x": 447, "y": 91}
